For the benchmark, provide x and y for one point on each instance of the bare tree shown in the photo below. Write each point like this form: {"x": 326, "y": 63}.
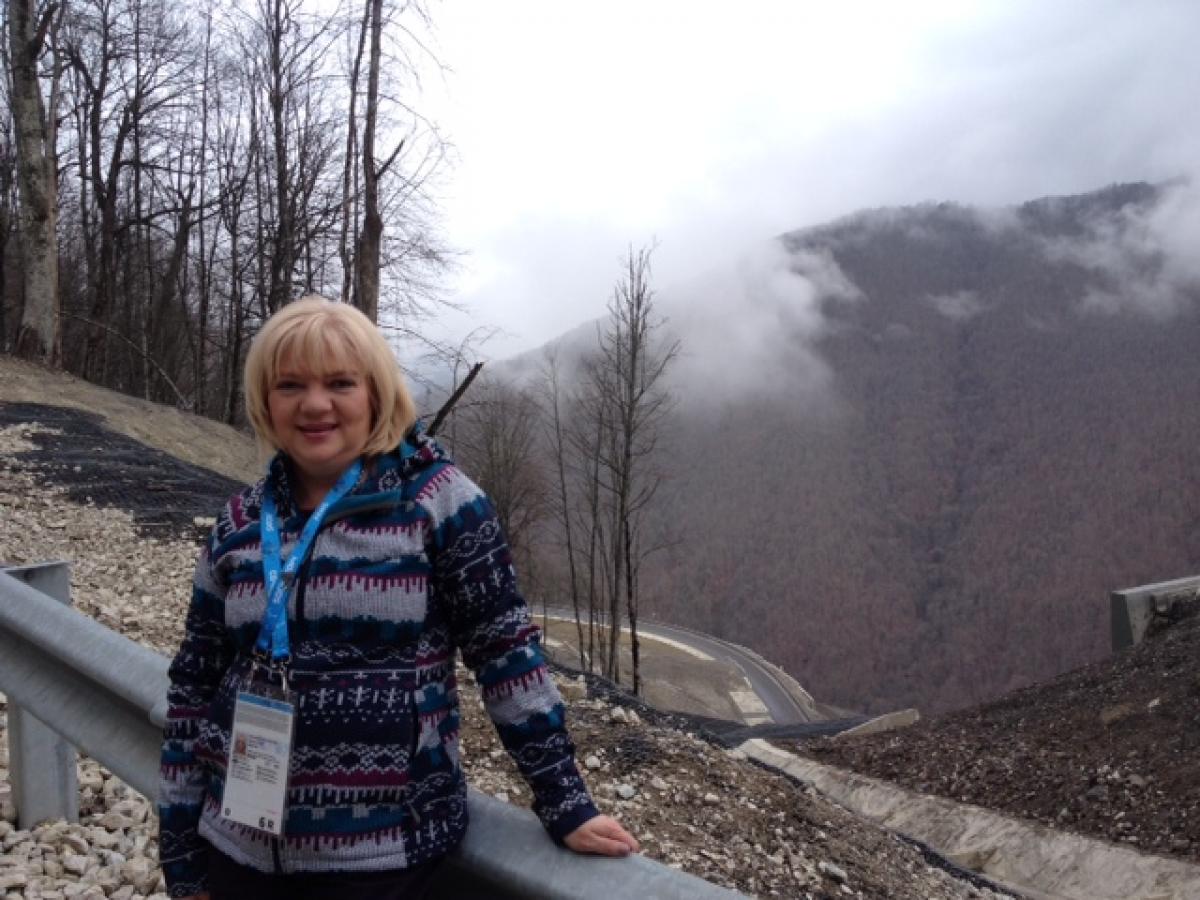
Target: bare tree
{"x": 201, "y": 181}
{"x": 553, "y": 416}
{"x": 10, "y": 267}
{"x": 389, "y": 188}
{"x": 36, "y": 140}
{"x": 627, "y": 381}
{"x": 370, "y": 239}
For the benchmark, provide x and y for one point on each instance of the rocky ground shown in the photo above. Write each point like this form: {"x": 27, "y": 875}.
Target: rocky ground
{"x": 694, "y": 805}
{"x": 1111, "y": 750}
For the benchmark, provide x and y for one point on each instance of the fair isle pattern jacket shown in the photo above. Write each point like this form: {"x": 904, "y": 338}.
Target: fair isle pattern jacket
{"x": 408, "y": 568}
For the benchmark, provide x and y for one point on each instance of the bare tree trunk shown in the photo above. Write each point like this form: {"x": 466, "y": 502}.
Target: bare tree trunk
{"x": 282, "y": 255}
{"x": 370, "y": 239}
{"x": 349, "y": 170}
{"x": 200, "y": 347}
{"x": 558, "y": 446}
{"x": 592, "y": 511}
{"x": 38, "y": 335}
{"x": 631, "y": 604}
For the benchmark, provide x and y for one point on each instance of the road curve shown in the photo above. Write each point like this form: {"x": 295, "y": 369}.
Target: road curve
{"x": 784, "y": 705}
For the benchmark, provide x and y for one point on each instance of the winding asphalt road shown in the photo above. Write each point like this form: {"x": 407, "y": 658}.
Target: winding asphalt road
{"x": 785, "y": 706}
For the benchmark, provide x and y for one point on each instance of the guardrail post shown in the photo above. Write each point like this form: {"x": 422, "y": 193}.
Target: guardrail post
{"x": 41, "y": 765}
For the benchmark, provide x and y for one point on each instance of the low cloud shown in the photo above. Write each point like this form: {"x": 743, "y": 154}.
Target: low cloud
{"x": 959, "y": 307}
{"x": 750, "y": 330}
{"x": 1145, "y": 256}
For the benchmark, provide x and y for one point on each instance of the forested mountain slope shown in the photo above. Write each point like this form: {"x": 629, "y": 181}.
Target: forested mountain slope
{"x": 1005, "y": 432}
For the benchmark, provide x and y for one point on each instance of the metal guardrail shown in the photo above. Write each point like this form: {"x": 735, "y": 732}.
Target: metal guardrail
{"x": 1133, "y": 609}
{"x": 68, "y": 677}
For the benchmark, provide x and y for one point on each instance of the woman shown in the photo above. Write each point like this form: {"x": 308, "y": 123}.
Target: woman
{"x": 328, "y": 606}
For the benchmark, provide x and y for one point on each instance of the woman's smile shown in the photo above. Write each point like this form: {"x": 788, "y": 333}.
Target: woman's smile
{"x": 322, "y": 423}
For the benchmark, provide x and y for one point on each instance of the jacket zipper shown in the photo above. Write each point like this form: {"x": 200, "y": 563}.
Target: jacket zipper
{"x": 302, "y": 631}
{"x": 302, "y": 628}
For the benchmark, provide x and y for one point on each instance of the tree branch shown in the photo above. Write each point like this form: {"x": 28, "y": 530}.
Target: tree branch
{"x": 449, "y": 404}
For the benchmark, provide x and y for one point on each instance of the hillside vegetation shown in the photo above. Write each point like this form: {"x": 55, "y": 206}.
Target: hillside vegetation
{"x": 1007, "y": 435}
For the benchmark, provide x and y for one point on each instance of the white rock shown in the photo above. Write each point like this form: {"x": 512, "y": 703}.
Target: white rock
{"x": 593, "y": 762}
{"x": 17, "y": 878}
{"x": 111, "y": 858}
{"x": 134, "y": 809}
{"x": 75, "y": 864}
{"x": 658, "y": 784}
{"x": 114, "y": 787}
{"x": 572, "y": 689}
{"x": 828, "y": 869}
{"x": 711, "y": 799}
{"x": 142, "y": 873}
{"x": 114, "y": 821}
{"x": 626, "y": 791}
{"x": 105, "y": 840}
{"x": 106, "y": 878}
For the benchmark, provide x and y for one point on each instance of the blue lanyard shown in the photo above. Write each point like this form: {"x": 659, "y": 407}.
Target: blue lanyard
{"x": 279, "y": 577}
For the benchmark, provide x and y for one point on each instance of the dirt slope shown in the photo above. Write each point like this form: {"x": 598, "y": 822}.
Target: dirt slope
{"x": 193, "y": 439}
{"x": 1111, "y": 750}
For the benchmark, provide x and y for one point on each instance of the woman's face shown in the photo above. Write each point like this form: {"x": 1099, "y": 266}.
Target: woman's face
{"x": 321, "y": 421}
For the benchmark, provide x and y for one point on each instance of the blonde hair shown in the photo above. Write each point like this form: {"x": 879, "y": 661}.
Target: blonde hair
{"x": 322, "y": 336}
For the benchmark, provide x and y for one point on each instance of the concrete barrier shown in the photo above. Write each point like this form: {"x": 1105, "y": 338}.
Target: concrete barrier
{"x": 1036, "y": 861}
{"x": 1133, "y": 609}
{"x": 901, "y": 718}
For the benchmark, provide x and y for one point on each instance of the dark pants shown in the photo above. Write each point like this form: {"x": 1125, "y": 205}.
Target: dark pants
{"x": 227, "y": 880}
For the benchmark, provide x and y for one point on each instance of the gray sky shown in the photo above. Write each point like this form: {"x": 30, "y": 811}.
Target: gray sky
{"x": 583, "y": 127}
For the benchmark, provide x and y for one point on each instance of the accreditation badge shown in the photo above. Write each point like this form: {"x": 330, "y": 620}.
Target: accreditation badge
{"x": 260, "y": 746}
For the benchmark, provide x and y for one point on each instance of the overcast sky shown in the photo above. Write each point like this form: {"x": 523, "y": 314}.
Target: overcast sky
{"x": 582, "y": 127}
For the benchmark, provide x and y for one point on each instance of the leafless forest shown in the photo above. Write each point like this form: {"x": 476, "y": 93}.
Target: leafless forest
{"x": 170, "y": 174}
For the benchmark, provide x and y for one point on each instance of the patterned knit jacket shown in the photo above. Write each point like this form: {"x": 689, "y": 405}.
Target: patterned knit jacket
{"x": 406, "y": 569}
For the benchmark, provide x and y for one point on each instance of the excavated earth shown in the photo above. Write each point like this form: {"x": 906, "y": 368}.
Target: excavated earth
{"x": 1111, "y": 750}
{"x": 694, "y": 805}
